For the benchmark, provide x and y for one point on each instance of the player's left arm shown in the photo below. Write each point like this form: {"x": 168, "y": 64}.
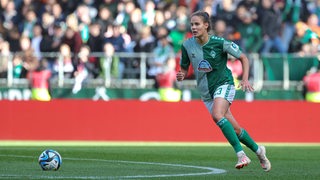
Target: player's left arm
{"x": 245, "y": 84}
{"x": 234, "y": 50}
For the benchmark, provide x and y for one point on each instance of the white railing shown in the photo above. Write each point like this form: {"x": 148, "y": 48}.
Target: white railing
{"x": 108, "y": 81}
{"x": 258, "y": 75}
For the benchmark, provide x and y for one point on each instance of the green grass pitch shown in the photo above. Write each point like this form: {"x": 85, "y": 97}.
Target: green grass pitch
{"x": 119, "y": 160}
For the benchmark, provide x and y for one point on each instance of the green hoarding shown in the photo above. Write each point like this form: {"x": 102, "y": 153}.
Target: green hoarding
{"x": 102, "y": 93}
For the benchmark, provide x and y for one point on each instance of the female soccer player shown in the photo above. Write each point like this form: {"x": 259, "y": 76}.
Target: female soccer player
{"x": 208, "y": 55}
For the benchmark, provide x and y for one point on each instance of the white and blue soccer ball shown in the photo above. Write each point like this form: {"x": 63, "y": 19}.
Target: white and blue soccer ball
{"x": 50, "y": 160}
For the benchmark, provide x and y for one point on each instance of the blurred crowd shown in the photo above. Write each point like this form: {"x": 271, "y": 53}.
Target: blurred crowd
{"x": 74, "y": 29}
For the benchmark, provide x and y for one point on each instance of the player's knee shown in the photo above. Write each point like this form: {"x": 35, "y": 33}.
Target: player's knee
{"x": 217, "y": 116}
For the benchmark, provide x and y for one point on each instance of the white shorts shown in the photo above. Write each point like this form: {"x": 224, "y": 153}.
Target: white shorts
{"x": 227, "y": 92}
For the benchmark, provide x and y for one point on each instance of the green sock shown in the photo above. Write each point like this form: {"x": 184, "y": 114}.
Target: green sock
{"x": 230, "y": 134}
{"x": 245, "y": 138}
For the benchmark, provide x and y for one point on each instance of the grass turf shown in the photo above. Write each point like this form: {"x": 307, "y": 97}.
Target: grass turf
{"x": 156, "y": 161}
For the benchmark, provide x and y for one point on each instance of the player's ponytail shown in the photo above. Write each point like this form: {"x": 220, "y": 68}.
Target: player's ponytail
{"x": 205, "y": 17}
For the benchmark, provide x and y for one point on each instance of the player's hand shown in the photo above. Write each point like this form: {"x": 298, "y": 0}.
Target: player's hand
{"x": 246, "y": 86}
{"x": 180, "y": 76}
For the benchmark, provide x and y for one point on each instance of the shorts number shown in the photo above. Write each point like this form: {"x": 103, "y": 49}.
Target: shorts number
{"x": 218, "y": 91}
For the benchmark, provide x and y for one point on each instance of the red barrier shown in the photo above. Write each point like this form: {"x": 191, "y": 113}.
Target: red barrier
{"x": 133, "y": 120}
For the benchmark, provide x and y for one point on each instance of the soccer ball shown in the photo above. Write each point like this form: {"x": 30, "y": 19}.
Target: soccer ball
{"x": 50, "y": 160}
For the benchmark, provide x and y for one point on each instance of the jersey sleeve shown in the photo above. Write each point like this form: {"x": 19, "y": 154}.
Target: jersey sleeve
{"x": 231, "y": 48}
{"x": 184, "y": 60}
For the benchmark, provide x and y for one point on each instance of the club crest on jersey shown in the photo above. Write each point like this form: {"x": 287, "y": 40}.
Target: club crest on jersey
{"x": 204, "y": 66}
{"x": 213, "y": 54}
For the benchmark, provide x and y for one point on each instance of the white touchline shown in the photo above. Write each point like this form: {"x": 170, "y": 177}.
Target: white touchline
{"x": 209, "y": 170}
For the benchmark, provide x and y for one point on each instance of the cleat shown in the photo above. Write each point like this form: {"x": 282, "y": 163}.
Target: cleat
{"x": 242, "y": 162}
{"x": 264, "y": 161}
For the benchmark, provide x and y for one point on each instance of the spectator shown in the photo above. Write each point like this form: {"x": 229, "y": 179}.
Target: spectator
{"x": 114, "y": 36}
{"x": 226, "y": 11}
{"x": 251, "y": 6}
{"x": 179, "y": 34}
{"x": 169, "y": 15}
{"x": 84, "y": 20}
{"x": 95, "y": 41}
{"x": 146, "y": 42}
{"x": 4, "y": 58}
{"x": 162, "y": 52}
{"x": 30, "y": 62}
{"x": 84, "y": 70}
{"x": 23, "y": 6}
{"x": 9, "y": 15}
{"x": 82, "y": 10}
{"x": 162, "y": 31}
{"x": 124, "y": 11}
{"x": 105, "y": 18}
{"x": 250, "y": 32}
{"x": 313, "y": 23}
{"x": 36, "y": 40}
{"x": 3, "y": 4}
{"x": 109, "y": 62}
{"x": 25, "y": 44}
{"x": 312, "y": 85}
{"x": 270, "y": 21}
{"x": 68, "y": 7}
{"x": 51, "y": 43}
{"x": 148, "y": 13}
{"x": 48, "y": 23}
{"x": 58, "y": 13}
{"x": 73, "y": 39}
{"x": 306, "y": 42}
{"x": 26, "y": 26}
{"x": 93, "y": 11}
{"x": 166, "y": 81}
{"x": 135, "y": 24}
{"x": 314, "y": 8}
{"x": 182, "y": 15}
{"x": 72, "y": 22}
{"x": 112, "y": 5}
{"x": 159, "y": 22}
{"x": 3, "y": 31}
{"x": 13, "y": 39}
{"x": 17, "y": 66}
{"x": 293, "y": 11}
{"x": 48, "y": 6}
{"x": 220, "y": 29}
{"x": 39, "y": 80}
{"x": 66, "y": 62}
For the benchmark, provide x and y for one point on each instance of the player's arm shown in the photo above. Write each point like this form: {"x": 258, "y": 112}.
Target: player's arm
{"x": 184, "y": 64}
{"x": 181, "y": 74}
{"x": 245, "y": 75}
{"x": 234, "y": 50}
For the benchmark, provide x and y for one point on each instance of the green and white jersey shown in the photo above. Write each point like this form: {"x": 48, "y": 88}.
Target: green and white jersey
{"x": 209, "y": 63}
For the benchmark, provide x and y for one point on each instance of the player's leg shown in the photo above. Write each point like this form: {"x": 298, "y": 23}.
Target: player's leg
{"x": 220, "y": 107}
{"x": 222, "y": 99}
{"x": 246, "y": 139}
{"x": 242, "y": 134}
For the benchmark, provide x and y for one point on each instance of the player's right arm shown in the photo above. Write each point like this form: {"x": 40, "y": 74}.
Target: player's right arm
{"x": 184, "y": 64}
